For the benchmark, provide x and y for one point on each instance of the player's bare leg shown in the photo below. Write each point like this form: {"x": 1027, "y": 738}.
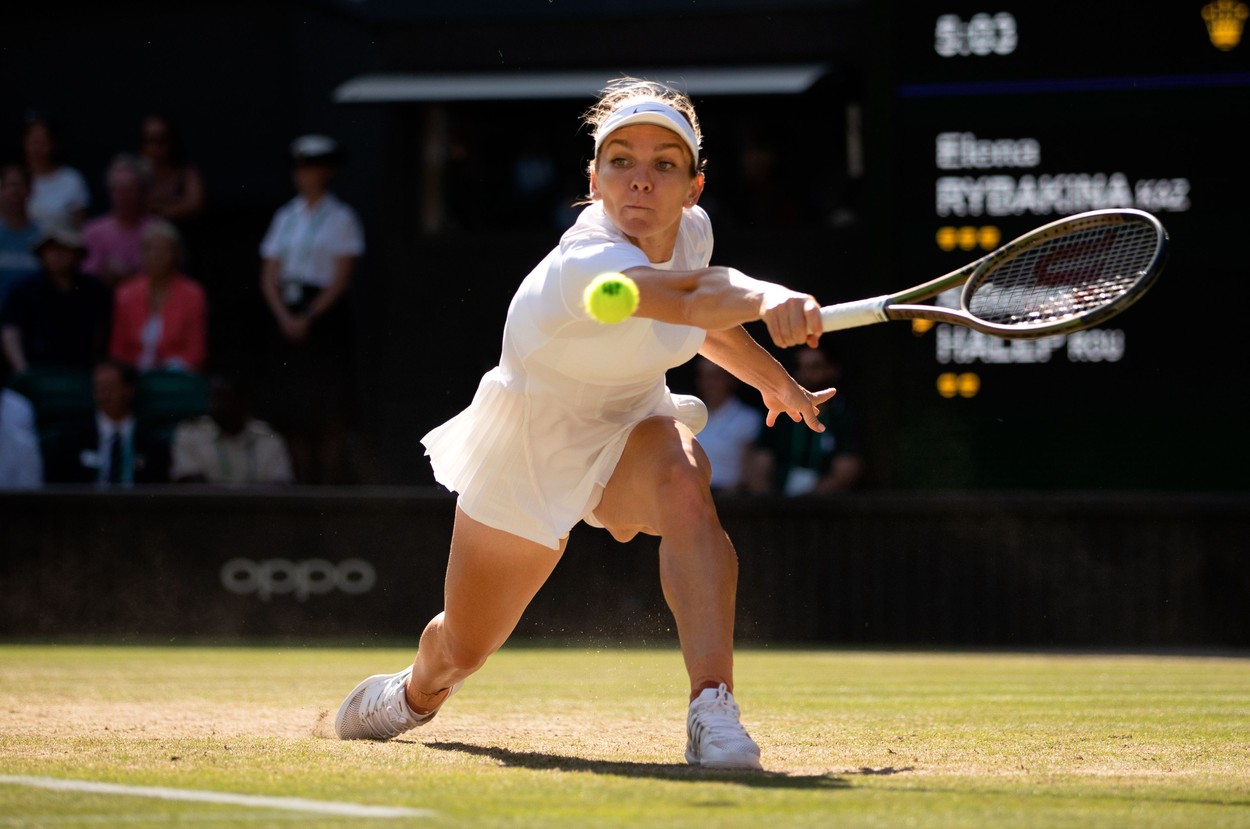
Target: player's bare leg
{"x": 661, "y": 487}
{"x": 491, "y": 578}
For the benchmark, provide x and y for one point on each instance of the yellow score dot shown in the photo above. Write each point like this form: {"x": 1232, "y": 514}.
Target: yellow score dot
{"x": 969, "y": 384}
{"x": 968, "y": 237}
{"x": 950, "y": 384}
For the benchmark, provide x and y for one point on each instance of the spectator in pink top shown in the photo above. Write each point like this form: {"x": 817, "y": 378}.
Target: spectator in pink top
{"x": 113, "y": 240}
{"x": 160, "y": 317}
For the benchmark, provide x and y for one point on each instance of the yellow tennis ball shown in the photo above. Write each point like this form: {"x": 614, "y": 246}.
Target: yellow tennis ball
{"x": 611, "y": 298}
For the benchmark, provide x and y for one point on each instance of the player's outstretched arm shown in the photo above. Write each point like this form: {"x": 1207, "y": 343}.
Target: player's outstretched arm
{"x": 719, "y": 298}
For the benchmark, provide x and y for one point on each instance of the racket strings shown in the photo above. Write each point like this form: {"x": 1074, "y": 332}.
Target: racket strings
{"x": 1072, "y": 275}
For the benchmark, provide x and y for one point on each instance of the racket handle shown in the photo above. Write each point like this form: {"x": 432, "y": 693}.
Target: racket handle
{"x": 854, "y": 314}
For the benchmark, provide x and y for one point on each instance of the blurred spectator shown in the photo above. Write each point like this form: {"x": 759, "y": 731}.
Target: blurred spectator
{"x": 229, "y": 445}
{"x": 793, "y": 460}
{"x": 18, "y": 232}
{"x": 110, "y": 448}
{"x": 176, "y": 190}
{"x": 60, "y": 317}
{"x": 21, "y": 465}
{"x": 58, "y": 192}
{"x": 309, "y": 257}
{"x": 762, "y": 191}
{"x": 732, "y": 424}
{"x": 160, "y": 317}
{"x": 114, "y": 251}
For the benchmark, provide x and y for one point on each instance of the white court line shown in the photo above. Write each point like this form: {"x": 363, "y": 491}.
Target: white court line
{"x": 289, "y": 804}
{"x": 162, "y": 818}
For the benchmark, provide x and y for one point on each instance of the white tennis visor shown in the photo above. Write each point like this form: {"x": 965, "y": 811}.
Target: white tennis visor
{"x": 649, "y": 112}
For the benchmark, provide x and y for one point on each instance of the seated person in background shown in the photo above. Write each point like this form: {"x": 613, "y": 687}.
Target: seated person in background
{"x": 229, "y": 446}
{"x": 160, "y": 317}
{"x": 732, "y": 425}
{"x": 60, "y": 317}
{"x": 18, "y": 232}
{"x": 798, "y": 461}
{"x": 109, "y": 448}
{"x": 114, "y": 252}
{"x": 21, "y": 465}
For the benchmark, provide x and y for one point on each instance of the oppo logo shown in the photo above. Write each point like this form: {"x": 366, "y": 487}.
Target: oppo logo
{"x": 301, "y": 579}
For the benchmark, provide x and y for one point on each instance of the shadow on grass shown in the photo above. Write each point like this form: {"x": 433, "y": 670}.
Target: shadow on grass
{"x": 659, "y": 771}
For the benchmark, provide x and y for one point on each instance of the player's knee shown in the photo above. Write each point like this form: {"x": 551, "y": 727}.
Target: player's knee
{"x": 683, "y": 495}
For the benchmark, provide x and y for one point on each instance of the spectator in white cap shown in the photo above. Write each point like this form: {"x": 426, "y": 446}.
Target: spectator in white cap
{"x": 309, "y": 256}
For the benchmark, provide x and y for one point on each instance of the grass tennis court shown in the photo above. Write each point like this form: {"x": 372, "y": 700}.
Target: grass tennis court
{"x": 580, "y": 737}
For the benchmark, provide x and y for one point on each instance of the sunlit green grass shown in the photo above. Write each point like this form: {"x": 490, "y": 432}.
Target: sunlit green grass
{"x": 576, "y": 737}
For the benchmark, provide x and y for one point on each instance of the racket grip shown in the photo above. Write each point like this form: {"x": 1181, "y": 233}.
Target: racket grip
{"x": 854, "y": 314}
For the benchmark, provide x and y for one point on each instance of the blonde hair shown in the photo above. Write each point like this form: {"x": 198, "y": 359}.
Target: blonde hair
{"x": 627, "y": 90}
{"x": 157, "y": 229}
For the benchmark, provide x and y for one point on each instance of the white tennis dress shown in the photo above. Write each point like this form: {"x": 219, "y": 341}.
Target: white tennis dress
{"x": 533, "y": 451}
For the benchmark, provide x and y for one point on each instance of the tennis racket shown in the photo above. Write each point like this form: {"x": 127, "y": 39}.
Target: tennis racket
{"x": 1065, "y": 276}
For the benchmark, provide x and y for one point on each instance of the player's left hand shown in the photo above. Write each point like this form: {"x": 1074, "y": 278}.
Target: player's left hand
{"x": 798, "y": 404}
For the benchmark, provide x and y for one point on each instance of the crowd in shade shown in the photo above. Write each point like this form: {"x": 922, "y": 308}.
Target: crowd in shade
{"x": 106, "y": 375}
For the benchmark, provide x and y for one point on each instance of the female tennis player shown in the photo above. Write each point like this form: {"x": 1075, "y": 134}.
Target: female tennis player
{"x": 576, "y": 424}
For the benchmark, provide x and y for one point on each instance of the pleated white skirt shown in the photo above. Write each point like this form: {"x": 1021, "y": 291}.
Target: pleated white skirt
{"x": 531, "y": 457}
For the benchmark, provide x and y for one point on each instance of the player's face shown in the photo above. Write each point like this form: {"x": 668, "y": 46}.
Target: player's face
{"x": 642, "y": 175}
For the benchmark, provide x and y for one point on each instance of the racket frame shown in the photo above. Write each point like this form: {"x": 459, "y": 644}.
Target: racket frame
{"x": 897, "y": 306}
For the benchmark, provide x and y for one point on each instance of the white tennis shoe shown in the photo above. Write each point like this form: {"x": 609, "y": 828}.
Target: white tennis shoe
{"x": 715, "y": 737}
{"x": 377, "y": 709}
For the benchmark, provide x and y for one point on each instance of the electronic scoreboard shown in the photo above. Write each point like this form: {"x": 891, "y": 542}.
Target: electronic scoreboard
{"x": 1008, "y": 116}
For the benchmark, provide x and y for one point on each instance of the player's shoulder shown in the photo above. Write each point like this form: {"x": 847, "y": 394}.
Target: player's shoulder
{"x": 591, "y": 223}
{"x": 697, "y": 216}
{"x": 696, "y": 236}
